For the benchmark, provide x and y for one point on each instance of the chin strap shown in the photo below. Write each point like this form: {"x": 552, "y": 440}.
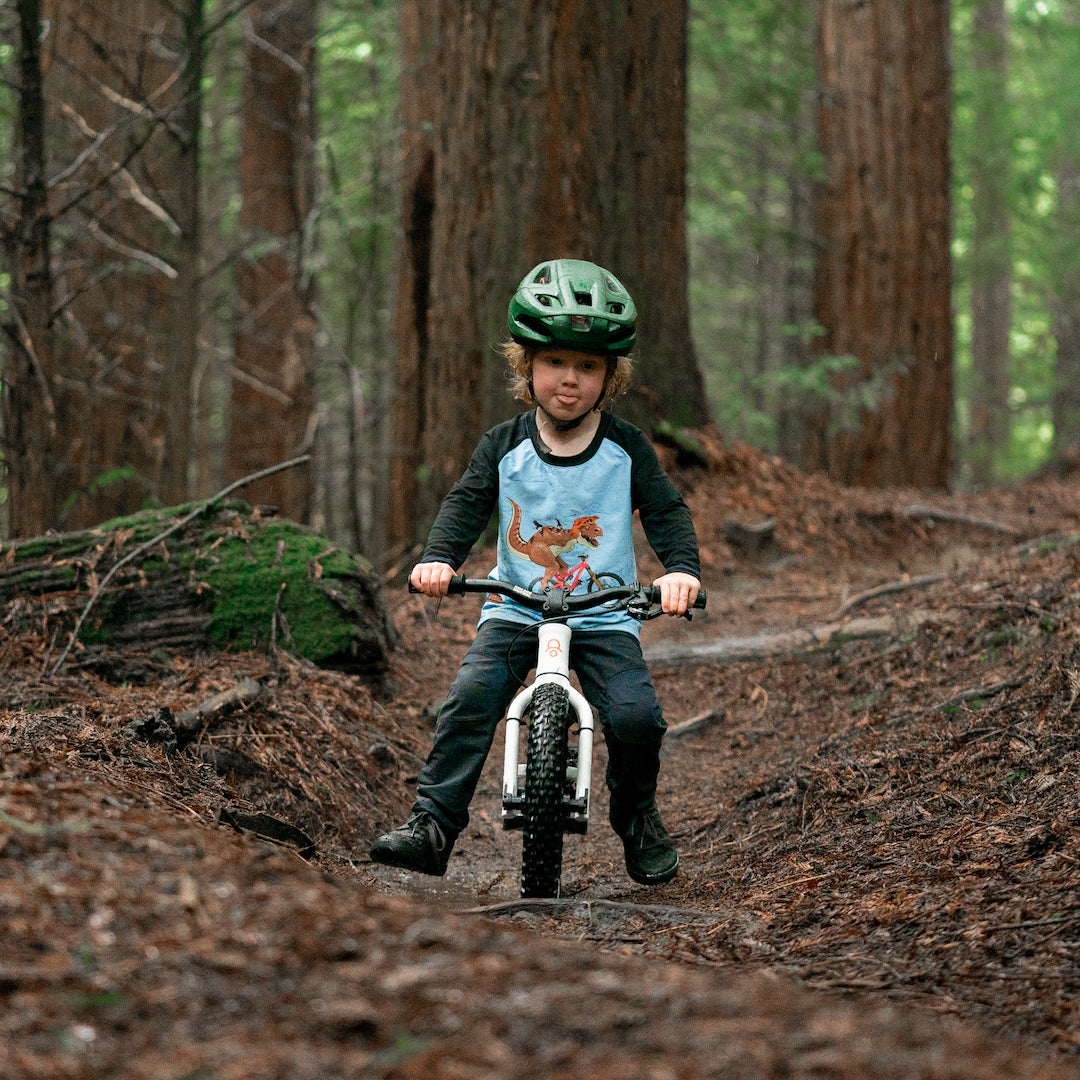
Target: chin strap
{"x": 564, "y": 425}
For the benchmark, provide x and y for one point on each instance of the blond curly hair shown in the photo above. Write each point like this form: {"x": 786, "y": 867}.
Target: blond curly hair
{"x": 519, "y": 359}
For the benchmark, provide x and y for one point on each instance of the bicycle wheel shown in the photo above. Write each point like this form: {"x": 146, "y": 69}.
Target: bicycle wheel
{"x": 605, "y": 581}
{"x": 545, "y": 780}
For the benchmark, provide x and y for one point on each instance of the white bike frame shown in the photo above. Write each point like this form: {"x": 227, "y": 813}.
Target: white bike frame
{"x": 552, "y": 665}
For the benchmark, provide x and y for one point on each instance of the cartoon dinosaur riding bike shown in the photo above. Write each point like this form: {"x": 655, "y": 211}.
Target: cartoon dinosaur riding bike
{"x": 568, "y": 579}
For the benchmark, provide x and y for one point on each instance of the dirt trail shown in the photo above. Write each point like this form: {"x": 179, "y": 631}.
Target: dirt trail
{"x": 879, "y": 873}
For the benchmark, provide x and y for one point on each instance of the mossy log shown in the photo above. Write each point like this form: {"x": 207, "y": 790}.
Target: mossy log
{"x": 228, "y": 578}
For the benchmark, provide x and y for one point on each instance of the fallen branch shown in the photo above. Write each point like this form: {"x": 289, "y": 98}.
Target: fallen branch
{"x": 1064, "y": 920}
{"x": 974, "y": 693}
{"x": 978, "y": 693}
{"x": 585, "y": 908}
{"x": 695, "y": 723}
{"x": 961, "y": 519}
{"x": 900, "y": 585}
{"x": 189, "y": 721}
{"x": 201, "y": 508}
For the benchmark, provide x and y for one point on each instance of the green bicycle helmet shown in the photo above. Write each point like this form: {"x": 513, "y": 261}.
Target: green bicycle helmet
{"x": 575, "y": 304}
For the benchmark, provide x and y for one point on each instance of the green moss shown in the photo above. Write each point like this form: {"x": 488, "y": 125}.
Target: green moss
{"x": 281, "y": 574}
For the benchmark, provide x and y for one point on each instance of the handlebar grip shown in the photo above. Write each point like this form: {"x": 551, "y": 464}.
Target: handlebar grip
{"x": 456, "y": 586}
{"x": 652, "y": 592}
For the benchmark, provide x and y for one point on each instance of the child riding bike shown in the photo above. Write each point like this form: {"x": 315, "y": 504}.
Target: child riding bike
{"x": 572, "y": 325}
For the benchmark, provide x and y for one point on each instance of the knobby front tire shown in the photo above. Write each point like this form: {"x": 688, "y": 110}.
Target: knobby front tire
{"x": 545, "y": 784}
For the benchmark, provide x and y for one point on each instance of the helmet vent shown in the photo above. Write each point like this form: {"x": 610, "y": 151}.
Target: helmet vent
{"x": 615, "y": 309}
{"x": 543, "y": 276}
{"x": 583, "y": 297}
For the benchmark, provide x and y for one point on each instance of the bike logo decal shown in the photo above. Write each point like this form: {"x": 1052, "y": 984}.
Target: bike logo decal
{"x": 553, "y": 647}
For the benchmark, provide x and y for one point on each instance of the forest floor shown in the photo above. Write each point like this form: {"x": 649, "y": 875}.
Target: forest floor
{"x": 880, "y": 871}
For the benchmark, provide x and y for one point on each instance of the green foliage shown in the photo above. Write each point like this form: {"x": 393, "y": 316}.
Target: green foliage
{"x": 752, "y": 156}
{"x": 359, "y": 141}
{"x": 122, "y": 474}
{"x": 753, "y": 163}
{"x": 1042, "y": 115}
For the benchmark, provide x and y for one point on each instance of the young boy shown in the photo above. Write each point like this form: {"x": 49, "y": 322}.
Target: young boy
{"x": 562, "y": 476}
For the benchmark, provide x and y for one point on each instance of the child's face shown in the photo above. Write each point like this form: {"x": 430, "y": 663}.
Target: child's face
{"x": 567, "y": 383}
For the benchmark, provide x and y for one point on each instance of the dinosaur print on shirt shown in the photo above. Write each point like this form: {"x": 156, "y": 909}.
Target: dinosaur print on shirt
{"x": 546, "y": 547}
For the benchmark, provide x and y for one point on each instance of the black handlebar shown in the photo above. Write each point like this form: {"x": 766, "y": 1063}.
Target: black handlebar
{"x": 555, "y": 602}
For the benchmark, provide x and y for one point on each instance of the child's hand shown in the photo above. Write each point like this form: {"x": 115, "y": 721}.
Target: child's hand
{"x": 678, "y": 591}
{"x": 431, "y": 578}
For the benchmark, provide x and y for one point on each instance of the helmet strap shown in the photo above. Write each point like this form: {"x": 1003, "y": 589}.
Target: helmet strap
{"x": 564, "y": 425}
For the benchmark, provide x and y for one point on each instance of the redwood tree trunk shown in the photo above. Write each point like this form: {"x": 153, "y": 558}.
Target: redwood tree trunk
{"x": 991, "y": 254}
{"x": 29, "y": 410}
{"x": 883, "y": 281}
{"x": 559, "y": 132}
{"x": 272, "y": 395}
{"x": 1065, "y": 273}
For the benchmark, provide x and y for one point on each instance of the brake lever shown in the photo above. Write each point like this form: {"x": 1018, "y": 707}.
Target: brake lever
{"x": 643, "y": 611}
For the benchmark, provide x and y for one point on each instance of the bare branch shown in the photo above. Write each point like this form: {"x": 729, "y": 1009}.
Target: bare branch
{"x": 132, "y": 253}
{"x": 135, "y": 193}
{"x": 25, "y": 342}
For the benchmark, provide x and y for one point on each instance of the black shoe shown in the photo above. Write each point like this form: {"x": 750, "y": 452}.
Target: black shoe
{"x": 420, "y": 844}
{"x": 651, "y": 855}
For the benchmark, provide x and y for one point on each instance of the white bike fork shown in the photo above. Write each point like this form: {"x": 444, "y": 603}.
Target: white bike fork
{"x": 552, "y": 665}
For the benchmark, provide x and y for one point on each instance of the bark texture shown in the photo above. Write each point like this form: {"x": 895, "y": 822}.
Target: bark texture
{"x": 1065, "y": 274}
{"x": 883, "y": 281}
{"x": 272, "y": 404}
{"x": 29, "y": 408}
{"x": 991, "y": 249}
{"x": 554, "y": 130}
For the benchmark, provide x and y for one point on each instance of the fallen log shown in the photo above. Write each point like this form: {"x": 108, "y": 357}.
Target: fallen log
{"x": 768, "y": 644}
{"x": 222, "y": 578}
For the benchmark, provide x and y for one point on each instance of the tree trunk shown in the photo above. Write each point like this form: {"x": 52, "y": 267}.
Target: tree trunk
{"x": 883, "y": 279}
{"x": 991, "y": 250}
{"x": 413, "y": 271}
{"x": 1065, "y": 308}
{"x": 272, "y": 406}
{"x": 29, "y": 409}
{"x": 526, "y": 139}
{"x": 1065, "y": 272}
{"x": 183, "y": 348}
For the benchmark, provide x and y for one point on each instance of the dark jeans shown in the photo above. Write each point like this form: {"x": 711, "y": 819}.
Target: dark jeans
{"x": 613, "y": 678}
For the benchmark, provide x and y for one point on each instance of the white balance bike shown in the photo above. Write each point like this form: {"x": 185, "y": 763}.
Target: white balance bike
{"x": 547, "y": 794}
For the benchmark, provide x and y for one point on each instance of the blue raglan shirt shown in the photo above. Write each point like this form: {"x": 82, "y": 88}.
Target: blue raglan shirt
{"x": 553, "y": 508}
